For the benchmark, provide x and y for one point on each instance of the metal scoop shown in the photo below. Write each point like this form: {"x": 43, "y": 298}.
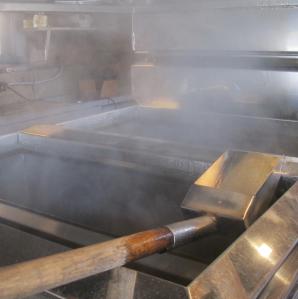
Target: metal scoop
{"x": 238, "y": 187}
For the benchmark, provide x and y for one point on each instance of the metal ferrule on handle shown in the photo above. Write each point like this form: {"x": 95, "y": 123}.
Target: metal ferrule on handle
{"x": 186, "y": 231}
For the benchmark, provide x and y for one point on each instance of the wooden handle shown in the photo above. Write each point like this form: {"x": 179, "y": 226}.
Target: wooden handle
{"x": 28, "y": 278}
{"x": 25, "y": 279}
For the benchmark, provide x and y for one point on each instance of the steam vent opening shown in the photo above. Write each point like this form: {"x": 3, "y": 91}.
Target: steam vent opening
{"x": 148, "y": 149}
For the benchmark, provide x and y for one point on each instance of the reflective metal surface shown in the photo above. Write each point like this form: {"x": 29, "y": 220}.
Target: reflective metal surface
{"x": 238, "y": 185}
{"x": 117, "y": 148}
{"x": 17, "y": 117}
{"x": 48, "y": 227}
{"x": 201, "y": 135}
{"x": 247, "y": 266}
{"x": 103, "y": 120}
{"x": 285, "y": 278}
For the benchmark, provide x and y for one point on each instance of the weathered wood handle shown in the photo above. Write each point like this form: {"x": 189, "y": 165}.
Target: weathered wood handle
{"x": 28, "y": 278}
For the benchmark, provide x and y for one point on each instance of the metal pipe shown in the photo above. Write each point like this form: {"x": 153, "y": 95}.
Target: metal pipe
{"x": 29, "y": 83}
{"x": 28, "y": 278}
